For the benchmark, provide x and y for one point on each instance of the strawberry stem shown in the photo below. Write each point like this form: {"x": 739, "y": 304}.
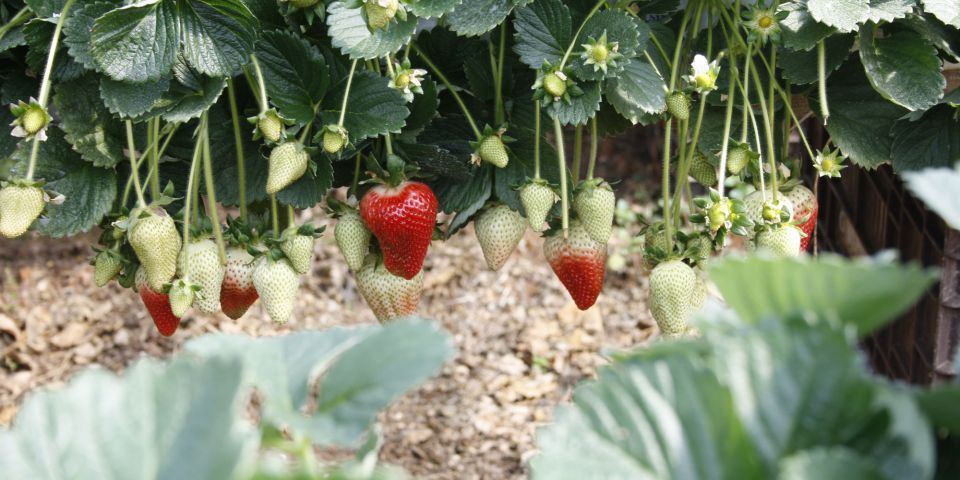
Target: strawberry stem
{"x": 134, "y": 167}
{"x": 785, "y": 97}
{"x": 684, "y": 167}
{"x": 356, "y": 175}
{"x": 163, "y": 148}
{"x": 19, "y": 19}
{"x": 768, "y": 130}
{"x": 291, "y": 216}
{"x": 536, "y": 142}
{"x": 346, "y": 94}
{"x": 273, "y": 215}
{"x": 727, "y": 123}
{"x": 452, "y": 90}
{"x": 822, "y": 83}
{"x": 45, "y": 85}
{"x": 497, "y": 65}
{"x": 238, "y": 143}
{"x": 562, "y": 164}
{"x": 264, "y": 106}
{"x": 211, "y": 190}
{"x": 665, "y": 183}
{"x": 191, "y": 181}
{"x": 153, "y": 138}
{"x": 594, "y": 145}
{"x": 577, "y": 154}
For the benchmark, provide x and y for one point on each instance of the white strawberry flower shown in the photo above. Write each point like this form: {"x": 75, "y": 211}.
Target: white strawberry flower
{"x": 703, "y": 74}
{"x": 408, "y": 81}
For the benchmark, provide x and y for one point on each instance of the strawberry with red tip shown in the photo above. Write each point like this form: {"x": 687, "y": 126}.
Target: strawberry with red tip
{"x": 402, "y": 215}
{"x": 388, "y": 295}
{"x": 579, "y": 262}
{"x": 158, "y": 305}
{"x": 805, "y": 210}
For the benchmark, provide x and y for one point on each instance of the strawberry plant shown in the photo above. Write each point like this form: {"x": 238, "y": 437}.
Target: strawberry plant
{"x": 145, "y": 118}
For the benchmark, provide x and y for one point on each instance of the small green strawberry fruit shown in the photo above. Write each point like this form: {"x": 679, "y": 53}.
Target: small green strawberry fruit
{"x": 156, "y": 242}
{"x": 334, "y": 139}
{"x": 699, "y": 292}
{"x": 678, "y": 105}
{"x": 288, "y": 162}
{"x": 499, "y": 231}
{"x": 595, "y": 204}
{"x": 35, "y": 120}
{"x": 759, "y": 211}
{"x": 388, "y": 295}
{"x": 277, "y": 283}
{"x": 781, "y": 241}
{"x": 106, "y": 267}
{"x": 737, "y": 159}
{"x": 20, "y": 205}
{"x": 182, "y": 295}
{"x": 270, "y": 127}
{"x": 537, "y": 198}
{"x": 353, "y": 239}
{"x": 703, "y": 171}
{"x": 555, "y": 84}
{"x": 672, "y": 286}
{"x": 298, "y": 249}
{"x": 493, "y": 151}
{"x": 200, "y": 262}
{"x": 31, "y": 119}
{"x": 380, "y": 13}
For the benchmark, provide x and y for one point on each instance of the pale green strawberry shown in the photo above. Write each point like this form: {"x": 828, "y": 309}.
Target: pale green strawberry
{"x": 499, "y": 231}
{"x": 754, "y": 205}
{"x": 200, "y": 262}
{"x": 334, "y": 138}
{"x": 781, "y": 241}
{"x": 288, "y": 162}
{"x": 106, "y": 267}
{"x": 156, "y": 242}
{"x": 271, "y": 127}
{"x": 493, "y": 151}
{"x": 20, "y": 205}
{"x": 353, "y": 239}
{"x": 537, "y": 198}
{"x": 595, "y": 204}
{"x": 182, "y": 296}
{"x": 554, "y": 84}
{"x": 389, "y": 296}
{"x": 703, "y": 171}
{"x": 298, "y": 249}
{"x": 277, "y": 283}
{"x": 672, "y": 285}
{"x": 737, "y": 159}
{"x": 678, "y": 105}
{"x": 699, "y": 293}
{"x": 380, "y": 13}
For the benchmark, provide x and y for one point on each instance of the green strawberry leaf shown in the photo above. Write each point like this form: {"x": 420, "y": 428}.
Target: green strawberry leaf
{"x": 224, "y": 152}
{"x": 95, "y": 134}
{"x": 800, "y": 67}
{"x": 799, "y": 30}
{"x": 888, "y": 10}
{"x": 636, "y": 91}
{"x": 373, "y": 108}
{"x": 865, "y": 294}
{"x": 844, "y": 15}
{"x": 476, "y": 17}
{"x": 629, "y": 33}
{"x": 581, "y": 108}
{"x": 78, "y": 27}
{"x": 931, "y": 141}
{"x": 903, "y": 67}
{"x": 89, "y": 191}
{"x": 154, "y": 411}
{"x": 939, "y": 404}
{"x": 860, "y": 119}
{"x": 46, "y": 8}
{"x": 349, "y": 32}
{"x": 947, "y": 11}
{"x": 38, "y": 34}
{"x": 937, "y": 188}
{"x": 295, "y": 74}
{"x": 543, "y": 31}
{"x": 310, "y": 189}
{"x": 132, "y": 99}
{"x": 939, "y": 35}
{"x": 137, "y": 42}
{"x": 189, "y": 96}
{"x": 218, "y": 35}
{"x": 332, "y": 372}
{"x": 432, "y": 8}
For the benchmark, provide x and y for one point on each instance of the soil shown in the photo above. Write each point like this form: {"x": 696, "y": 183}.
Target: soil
{"x": 522, "y": 344}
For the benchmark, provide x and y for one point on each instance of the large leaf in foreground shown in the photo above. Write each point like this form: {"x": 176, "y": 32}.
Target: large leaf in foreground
{"x": 939, "y": 188}
{"x": 339, "y": 364}
{"x": 866, "y": 293}
{"x": 182, "y": 420}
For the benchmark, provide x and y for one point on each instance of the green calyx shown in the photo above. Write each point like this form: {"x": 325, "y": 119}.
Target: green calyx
{"x": 31, "y": 120}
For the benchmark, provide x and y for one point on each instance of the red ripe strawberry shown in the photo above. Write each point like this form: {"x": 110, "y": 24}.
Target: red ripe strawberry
{"x": 237, "y": 292}
{"x": 805, "y": 209}
{"x": 389, "y": 296}
{"x": 579, "y": 262}
{"x": 158, "y": 305}
{"x": 402, "y": 218}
